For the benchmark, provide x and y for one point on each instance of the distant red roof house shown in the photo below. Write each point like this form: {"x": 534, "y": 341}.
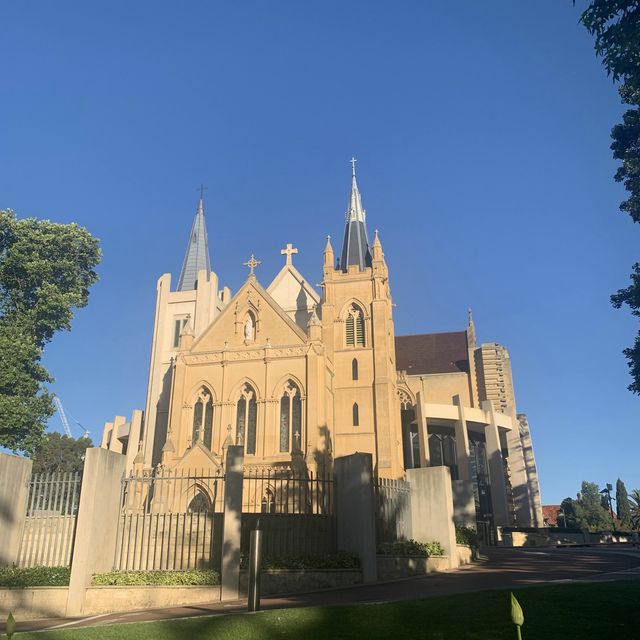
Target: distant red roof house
{"x": 433, "y": 353}
{"x": 550, "y": 515}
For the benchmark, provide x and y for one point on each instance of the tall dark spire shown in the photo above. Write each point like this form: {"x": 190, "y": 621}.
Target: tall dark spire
{"x": 355, "y": 248}
{"x": 197, "y": 256}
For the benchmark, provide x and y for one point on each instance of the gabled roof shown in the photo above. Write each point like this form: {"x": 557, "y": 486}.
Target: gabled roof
{"x": 229, "y": 310}
{"x": 197, "y": 256}
{"x": 429, "y": 353}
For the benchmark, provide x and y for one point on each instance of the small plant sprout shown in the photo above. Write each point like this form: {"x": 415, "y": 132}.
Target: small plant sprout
{"x": 10, "y": 626}
{"x": 517, "y": 617}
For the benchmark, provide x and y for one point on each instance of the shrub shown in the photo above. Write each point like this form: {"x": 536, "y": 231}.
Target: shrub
{"x": 34, "y": 576}
{"x": 340, "y": 560}
{"x": 468, "y": 536}
{"x": 410, "y": 548}
{"x": 190, "y": 577}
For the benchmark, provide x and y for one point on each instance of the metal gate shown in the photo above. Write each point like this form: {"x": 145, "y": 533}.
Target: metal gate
{"x": 170, "y": 521}
{"x": 50, "y": 524}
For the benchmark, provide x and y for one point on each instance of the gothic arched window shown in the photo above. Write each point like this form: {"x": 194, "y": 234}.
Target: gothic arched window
{"x": 356, "y": 415}
{"x": 354, "y": 324}
{"x": 290, "y": 417}
{"x": 203, "y": 418}
{"x": 354, "y": 369}
{"x": 199, "y": 504}
{"x": 246, "y": 414}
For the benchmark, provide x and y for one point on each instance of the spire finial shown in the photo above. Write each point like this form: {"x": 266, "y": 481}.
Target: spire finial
{"x": 252, "y": 263}
{"x": 289, "y": 251}
{"x": 353, "y": 166}
{"x": 201, "y": 189}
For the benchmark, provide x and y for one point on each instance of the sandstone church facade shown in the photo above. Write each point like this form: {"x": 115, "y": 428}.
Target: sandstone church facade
{"x": 299, "y": 377}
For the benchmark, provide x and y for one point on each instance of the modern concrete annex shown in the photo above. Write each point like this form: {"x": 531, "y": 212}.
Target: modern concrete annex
{"x": 299, "y": 377}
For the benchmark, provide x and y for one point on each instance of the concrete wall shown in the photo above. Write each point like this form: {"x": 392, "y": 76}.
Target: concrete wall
{"x": 355, "y": 510}
{"x": 464, "y": 506}
{"x": 51, "y": 602}
{"x": 432, "y": 516}
{"x": 97, "y": 523}
{"x": 394, "y": 567}
{"x": 15, "y": 473}
{"x": 280, "y": 581}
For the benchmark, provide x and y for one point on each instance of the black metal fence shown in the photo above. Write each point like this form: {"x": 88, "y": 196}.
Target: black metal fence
{"x": 295, "y": 511}
{"x": 170, "y": 520}
{"x": 52, "y": 507}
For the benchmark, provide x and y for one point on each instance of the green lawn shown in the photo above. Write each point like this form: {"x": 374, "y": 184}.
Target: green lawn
{"x": 584, "y": 611}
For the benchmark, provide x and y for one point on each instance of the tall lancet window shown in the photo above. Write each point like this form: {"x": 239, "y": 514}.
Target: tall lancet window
{"x": 355, "y": 327}
{"x": 290, "y": 418}
{"x": 203, "y": 418}
{"x": 246, "y": 415}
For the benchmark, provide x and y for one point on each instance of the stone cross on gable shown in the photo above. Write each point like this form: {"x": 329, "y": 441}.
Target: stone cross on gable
{"x": 252, "y": 263}
{"x": 289, "y": 251}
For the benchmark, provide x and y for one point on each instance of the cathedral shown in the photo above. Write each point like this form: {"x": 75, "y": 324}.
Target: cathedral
{"x": 299, "y": 377}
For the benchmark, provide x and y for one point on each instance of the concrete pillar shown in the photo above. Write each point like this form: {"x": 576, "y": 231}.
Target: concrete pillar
{"x": 432, "y": 509}
{"x": 496, "y": 469}
{"x": 97, "y": 523}
{"x": 355, "y": 510}
{"x": 462, "y": 442}
{"x": 518, "y": 475}
{"x": 464, "y": 506}
{"x": 423, "y": 432}
{"x": 133, "y": 445}
{"x": 232, "y": 524}
{"x": 15, "y": 473}
{"x": 532, "y": 471}
{"x": 115, "y": 445}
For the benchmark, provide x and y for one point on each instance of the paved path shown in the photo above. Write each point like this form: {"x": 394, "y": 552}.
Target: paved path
{"x": 502, "y": 568}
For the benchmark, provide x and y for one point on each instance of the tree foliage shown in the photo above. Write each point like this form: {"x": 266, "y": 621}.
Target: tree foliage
{"x": 615, "y": 24}
{"x": 56, "y": 453}
{"x": 623, "y": 507}
{"x": 586, "y": 511}
{"x": 46, "y": 270}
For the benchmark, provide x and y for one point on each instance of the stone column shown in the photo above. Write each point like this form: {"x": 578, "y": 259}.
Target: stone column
{"x": 133, "y": 445}
{"x": 496, "y": 468}
{"x": 355, "y": 510}
{"x": 462, "y": 442}
{"x": 115, "y": 445}
{"x": 15, "y": 473}
{"x": 432, "y": 509}
{"x": 423, "y": 430}
{"x": 97, "y": 523}
{"x": 518, "y": 471}
{"x": 232, "y": 523}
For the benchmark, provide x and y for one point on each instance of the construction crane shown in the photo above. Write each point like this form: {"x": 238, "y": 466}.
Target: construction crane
{"x": 65, "y": 422}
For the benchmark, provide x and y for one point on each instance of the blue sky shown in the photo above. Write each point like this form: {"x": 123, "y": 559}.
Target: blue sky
{"x": 482, "y": 133}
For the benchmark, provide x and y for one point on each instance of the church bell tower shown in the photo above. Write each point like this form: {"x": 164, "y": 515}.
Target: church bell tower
{"x": 359, "y": 338}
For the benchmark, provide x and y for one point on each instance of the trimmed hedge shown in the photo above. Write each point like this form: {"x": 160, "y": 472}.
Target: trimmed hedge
{"x": 468, "y": 536}
{"x": 410, "y": 548}
{"x": 34, "y": 576}
{"x": 340, "y": 560}
{"x": 192, "y": 577}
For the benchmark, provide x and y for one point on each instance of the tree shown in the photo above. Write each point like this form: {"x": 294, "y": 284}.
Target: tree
{"x": 596, "y": 516}
{"x": 615, "y": 24}
{"x": 573, "y": 514}
{"x": 56, "y": 453}
{"x": 635, "y": 508}
{"x": 46, "y": 270}
{"x": 622, "y": 505}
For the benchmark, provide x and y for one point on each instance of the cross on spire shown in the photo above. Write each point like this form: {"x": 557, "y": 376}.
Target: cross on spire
{"x": 252, "y": 263}
{"x": 201, "y": 189}
{"x": 289, "y": 251}
{"x": 353, "y": 166}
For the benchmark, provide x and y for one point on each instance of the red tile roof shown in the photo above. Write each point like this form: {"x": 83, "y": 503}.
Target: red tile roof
{"x": 433, "y": 353}
{"x": 550, "y": 514}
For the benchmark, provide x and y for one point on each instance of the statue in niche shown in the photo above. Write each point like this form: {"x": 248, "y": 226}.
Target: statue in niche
{"x": 249, "y": 328}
